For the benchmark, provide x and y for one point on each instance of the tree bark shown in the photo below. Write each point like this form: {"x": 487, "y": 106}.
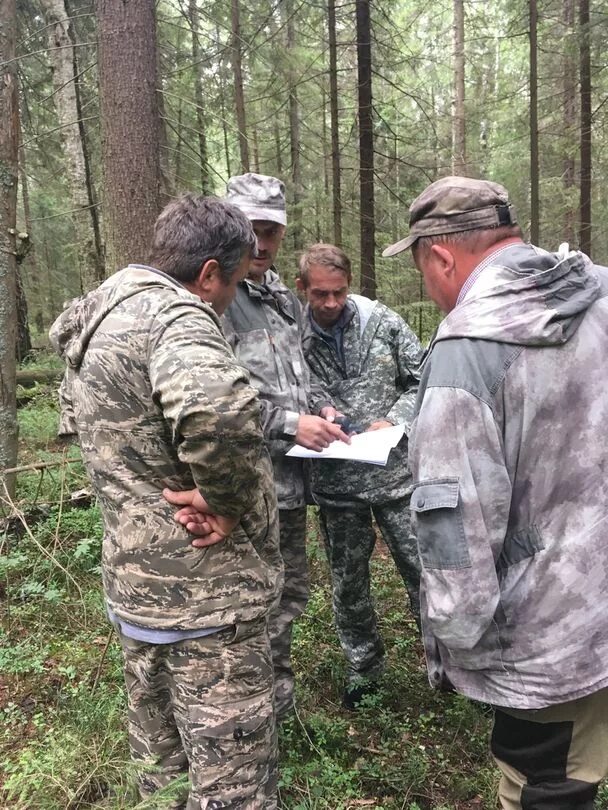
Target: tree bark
{"x": 569, "y": 120}
{"x": 130, "y": 127}
{"x": 459, "y": 149}
{"x": 334, "y": 126}
{"x": 62, "y": 57}
{"x": 534, "y": 161}
{"x": 294, "y": 132}
{"x": 366, "y": 149}
{"x": 239, "y": 93}
{"x": 9, "y": 145}
{"x": 199, "y": 96}
{"x": 585, "y": 141}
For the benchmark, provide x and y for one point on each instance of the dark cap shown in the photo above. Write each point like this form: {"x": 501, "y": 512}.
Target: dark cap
{"x": 455, "y": 204}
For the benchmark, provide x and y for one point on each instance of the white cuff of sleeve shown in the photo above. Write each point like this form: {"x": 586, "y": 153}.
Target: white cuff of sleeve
{"x": 291, "y": 423}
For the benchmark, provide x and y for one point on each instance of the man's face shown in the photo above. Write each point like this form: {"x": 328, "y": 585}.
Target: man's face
{"x": 222, "y": 292}
{"x": 438, "y": 271}
{"x": 326, "y": 293}
{"x": 269, "y": 235}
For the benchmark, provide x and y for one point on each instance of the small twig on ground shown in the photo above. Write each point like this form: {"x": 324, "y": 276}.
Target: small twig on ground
{"x": 101, "y": 660}
{"x": 41, "y": 466}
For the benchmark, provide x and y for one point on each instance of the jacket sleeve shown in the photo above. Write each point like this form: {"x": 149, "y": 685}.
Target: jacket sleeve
{"x": 67, "y": 420}
{"x": 460, "y": 503}
{"x": 212, "y": 411}
{"x": 408, "y": 354}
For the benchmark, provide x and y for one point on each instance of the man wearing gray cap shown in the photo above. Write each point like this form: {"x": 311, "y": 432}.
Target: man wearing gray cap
{"x": 264, "y": 326}
{"x": 509, "y": 452}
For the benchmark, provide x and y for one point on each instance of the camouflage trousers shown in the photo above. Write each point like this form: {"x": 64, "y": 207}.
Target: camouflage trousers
{"x": 204, "y": 708}
{"x": 350, "y": 539}
{"x": 291, "y": 605}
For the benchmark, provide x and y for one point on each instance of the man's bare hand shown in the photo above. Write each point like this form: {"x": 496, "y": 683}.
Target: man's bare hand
{"x": 329, "y": 413}
{"x": 381, "y": 423}
{"x": 198, "y": 519}
{"x": 317, "y": 433}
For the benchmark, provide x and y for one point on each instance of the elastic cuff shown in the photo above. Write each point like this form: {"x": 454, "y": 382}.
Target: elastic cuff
{"x": 291, "y": 423}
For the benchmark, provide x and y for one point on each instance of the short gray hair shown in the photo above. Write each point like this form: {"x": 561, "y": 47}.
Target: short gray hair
{"x": 474, "y": 241}
{"x": 326, "y": 255}
{"x": 191, "y": 230}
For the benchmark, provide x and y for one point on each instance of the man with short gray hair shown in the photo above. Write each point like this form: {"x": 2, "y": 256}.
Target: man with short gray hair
{"x": 264, "y": 326}
{"x": 509, "y": 451}
{"x": 158, "y": 401}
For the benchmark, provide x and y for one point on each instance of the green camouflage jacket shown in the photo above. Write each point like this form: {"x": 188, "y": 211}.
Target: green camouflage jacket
{"x": 158, "y": 400}
{"x": 264, "y": 326}
{"x": 378, "y": 381}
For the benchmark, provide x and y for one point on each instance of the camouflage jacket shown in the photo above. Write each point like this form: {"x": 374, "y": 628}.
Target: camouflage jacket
{"x": 159, "y": 401}
{"x": 378, "y": 381}
{"x": 264, "y": 327}
{"x": 509, "y": 453}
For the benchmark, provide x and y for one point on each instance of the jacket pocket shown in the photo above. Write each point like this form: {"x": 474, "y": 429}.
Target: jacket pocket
{"x": 439, "y": 524}
{"x": 518, "y": 546}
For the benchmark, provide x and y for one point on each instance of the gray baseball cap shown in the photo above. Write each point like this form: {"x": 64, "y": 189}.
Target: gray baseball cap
{"x": 455, "y": 204}
{"x": 258, "y": 196}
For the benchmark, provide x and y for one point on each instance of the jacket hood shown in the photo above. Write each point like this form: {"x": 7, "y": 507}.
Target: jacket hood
{"x": 526, "y": 296}
{"x": 74, "y": 328}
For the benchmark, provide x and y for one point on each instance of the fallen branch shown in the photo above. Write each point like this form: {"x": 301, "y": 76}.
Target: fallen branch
{"x": 40, "y": 466}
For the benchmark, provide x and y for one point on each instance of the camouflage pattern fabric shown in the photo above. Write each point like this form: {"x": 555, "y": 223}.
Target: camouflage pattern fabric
{"x": 159, "y": 401}
{"x": 263, "y": 325}
{"x": 204, "y": 707}
{"x": 380, "y": 381}
{"x": 291, "y": 605}
{"x": 350, "y": 540}
{"x": 508, "y": 455}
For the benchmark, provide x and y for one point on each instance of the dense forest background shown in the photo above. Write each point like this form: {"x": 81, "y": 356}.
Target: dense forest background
{"x": 107, "y": 110}
{"x": 501, "y": 90}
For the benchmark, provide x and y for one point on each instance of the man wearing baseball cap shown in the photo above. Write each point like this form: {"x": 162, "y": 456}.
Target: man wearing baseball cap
{"x": 509, "y": 454}
{"x": 264, "y": 326}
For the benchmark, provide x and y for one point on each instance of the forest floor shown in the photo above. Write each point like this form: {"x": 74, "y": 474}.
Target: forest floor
{"x": 63, "y": 742}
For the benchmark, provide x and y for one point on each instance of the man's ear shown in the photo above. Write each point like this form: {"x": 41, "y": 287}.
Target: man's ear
{"x": 208, "y": 276}
{"x": 300, "y": 285}
{"x": 444, "y": 259}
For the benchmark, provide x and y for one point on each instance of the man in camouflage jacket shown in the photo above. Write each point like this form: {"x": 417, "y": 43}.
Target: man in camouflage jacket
{"x": 158, "y": 401}
{"x": 366, "y": 357}
{"x": 509, "y": 453}
{"x": 263, "y": 324}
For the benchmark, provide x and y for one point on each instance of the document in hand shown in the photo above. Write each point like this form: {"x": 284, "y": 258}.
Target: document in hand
{"x": 373, "y": 447}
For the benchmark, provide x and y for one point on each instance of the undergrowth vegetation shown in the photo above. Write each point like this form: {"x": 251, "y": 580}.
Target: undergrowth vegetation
{"x": 63, "y": 742}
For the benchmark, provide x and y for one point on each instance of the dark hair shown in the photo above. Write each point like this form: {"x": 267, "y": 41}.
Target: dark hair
{"x": 325, "y": 255}
{"x": 475, "y": 241}
{"x": 191, "y": 230}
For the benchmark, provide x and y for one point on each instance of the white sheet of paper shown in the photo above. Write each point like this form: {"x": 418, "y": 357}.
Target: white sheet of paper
{"x": 371, "y": 448}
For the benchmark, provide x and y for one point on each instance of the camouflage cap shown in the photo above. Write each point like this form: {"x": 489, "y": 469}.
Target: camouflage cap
{"x": 455, "y": 204}
{"x": 258, "y": 196}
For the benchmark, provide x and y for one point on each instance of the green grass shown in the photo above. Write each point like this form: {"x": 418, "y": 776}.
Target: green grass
{"x": 63, "y": 741}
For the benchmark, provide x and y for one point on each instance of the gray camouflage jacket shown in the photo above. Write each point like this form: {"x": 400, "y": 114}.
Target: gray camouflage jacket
{"x": 509, "y": 455}
{"x": 264, "y": 327}
{"x": 379, "y": 381}
{"x": 158, "y": 400}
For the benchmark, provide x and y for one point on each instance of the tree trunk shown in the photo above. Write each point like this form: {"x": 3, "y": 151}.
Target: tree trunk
{"x": 569, "y": 120}
{"x": 239, "y": 93}
{"x": 9, "y": 145}
{"x": 534, "y": 162}
{"x": 335, "y": 131}
{"x": 199, "y": 96}
{"x": 459, "y": 149}
{"x": 366, "y": 149}
{"x": 585, "y": 142}
{"x": 61, "y": 54}
{"x": 130, "y": 127}
{"x": 294, "y": 132}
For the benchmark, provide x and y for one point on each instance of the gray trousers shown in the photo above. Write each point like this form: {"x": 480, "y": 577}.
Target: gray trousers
{"x": 350, "y": 539}
{"x": 292, "y": 604}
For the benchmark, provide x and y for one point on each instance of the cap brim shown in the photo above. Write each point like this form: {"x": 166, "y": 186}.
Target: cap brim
{"x": 399, "y": 247}
{"x": 264, "y": 214}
